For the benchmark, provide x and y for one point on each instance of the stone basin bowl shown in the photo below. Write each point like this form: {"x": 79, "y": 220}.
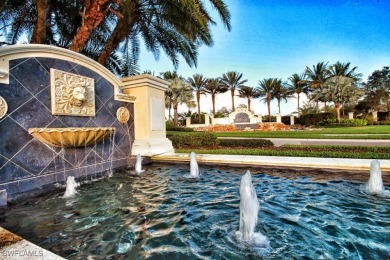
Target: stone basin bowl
{"x": 72, "y": 136}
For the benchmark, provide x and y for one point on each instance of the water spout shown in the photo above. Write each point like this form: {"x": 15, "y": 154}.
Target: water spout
{"x": 249, "y": 209}
{"x": 375, "y": 183}
{"x": 71, "y": 185}
{"x": 138, "y": 164}
{"x": 194, "y": 170}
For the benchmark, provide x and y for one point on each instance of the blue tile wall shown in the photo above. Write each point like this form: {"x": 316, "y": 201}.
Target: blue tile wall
{"x": 27, "y": 164}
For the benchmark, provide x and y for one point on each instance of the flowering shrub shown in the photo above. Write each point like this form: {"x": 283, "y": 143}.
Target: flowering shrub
{"x": 218, "y": 128}
{"x": 272, "y": 127}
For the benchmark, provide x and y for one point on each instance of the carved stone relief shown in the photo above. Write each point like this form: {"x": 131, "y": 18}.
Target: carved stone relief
{"x": 3, "y": 107}
{"x": 123, "y": 115}
{"x": 72, "y": 94}
{"x": 242, "y": 118}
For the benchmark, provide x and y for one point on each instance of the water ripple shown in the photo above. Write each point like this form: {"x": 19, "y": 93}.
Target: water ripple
{"x": 162, "y": 214}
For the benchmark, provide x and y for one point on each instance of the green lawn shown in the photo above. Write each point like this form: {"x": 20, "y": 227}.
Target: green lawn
{"x": 331, "y": 151}
{"x": 363, "y": 132}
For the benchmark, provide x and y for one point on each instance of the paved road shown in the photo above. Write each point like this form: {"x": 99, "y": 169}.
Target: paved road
{"x": 360, "y": 142}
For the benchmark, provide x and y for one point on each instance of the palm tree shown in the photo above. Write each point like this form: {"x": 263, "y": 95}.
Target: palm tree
{"x": 198, "y": 84}
{"x": 339, "y": 90}
{"x": 298, "y": 84}
{"x": 280, "y": 92}
{"x": 100, "y": 29}
{"x": 317, "y": 77}
{"x": 179, "y": 92}
{"x": 248, "y": 93}
{"x": 232, "y": 80}
{"x": 343, "y": 69}
{"x": 169, "y": 75}
{"x": 175, "y": 26}
{"x": 265, "y": 89}
{"x": 214, "y": 87}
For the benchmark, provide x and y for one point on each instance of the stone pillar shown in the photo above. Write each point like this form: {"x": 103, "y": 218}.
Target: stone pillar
{"x": 375, "y": 115}
{"x": 149, "y": 114}
{"x": 350, "y": 115}
{"x": 292, "y": 118}
{"x": 188, "y": 121}
{"x": 278, "y": 118}
{"x": 260, "y": 118}
{"x": 207, "y": 119}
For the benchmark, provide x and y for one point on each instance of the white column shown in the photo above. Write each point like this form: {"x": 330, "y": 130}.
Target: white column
{"x": 292, "y": 118}
{"x": 149, "y": 114}
{"x": 375, "y": 115}
{"x": 207, "y": 119}
{"x": 350, "y": 115}
{"x": 188, "y": 121}
{"x": 278, "y": 118}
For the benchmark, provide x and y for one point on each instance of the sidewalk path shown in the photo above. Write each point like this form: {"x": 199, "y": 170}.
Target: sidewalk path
{"x": 283, "y": 141}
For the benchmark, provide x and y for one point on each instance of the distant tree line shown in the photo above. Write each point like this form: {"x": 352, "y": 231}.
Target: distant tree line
{"x": 338, "y": 84}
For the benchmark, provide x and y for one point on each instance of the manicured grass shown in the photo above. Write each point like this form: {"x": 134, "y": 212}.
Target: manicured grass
{"x": 362, "y": 132}
{"x": 331, "y": 151}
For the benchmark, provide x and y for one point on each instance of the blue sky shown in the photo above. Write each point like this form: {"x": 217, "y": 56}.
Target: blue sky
{"x": 277, "y": 38}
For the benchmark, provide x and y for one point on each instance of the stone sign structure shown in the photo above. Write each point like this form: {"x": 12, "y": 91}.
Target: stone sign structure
{"x": 54, "y": 88}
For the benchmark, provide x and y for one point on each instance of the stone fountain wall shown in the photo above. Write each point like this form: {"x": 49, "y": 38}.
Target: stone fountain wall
{"x": 26, "y": 163}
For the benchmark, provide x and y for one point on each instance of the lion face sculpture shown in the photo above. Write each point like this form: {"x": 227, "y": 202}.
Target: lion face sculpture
{"x": 78, "y": 96}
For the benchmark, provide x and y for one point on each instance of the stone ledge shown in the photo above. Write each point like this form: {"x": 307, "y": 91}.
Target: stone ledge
{"x": 15, "y": 248}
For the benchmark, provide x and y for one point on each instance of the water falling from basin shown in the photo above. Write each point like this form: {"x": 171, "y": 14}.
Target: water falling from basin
{"x": 138, "y": 164}
{"x": 194, "y": 170}
{"x": 375, "y": 183}
{"x": 71, "y": 185}
{"x": 249, "y": 208}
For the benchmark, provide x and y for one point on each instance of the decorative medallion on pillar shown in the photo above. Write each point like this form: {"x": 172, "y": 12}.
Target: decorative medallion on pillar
{"x": 71, "y": 94}
{"x": 123, "y": 115}
{"x": 3, "y": 107}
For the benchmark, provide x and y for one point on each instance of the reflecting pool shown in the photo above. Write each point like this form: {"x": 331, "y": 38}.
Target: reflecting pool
{"x": 162, "y": 213}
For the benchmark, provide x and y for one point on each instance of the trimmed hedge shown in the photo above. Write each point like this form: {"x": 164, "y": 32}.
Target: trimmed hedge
{"x": 203, "y": 139}
{"x": 314, "y": 119}
{"x": 179, "y": 128}
{"x": 344, "y": 122}
{"x": 252, "y": 143}
{"x": 381, "y": 123}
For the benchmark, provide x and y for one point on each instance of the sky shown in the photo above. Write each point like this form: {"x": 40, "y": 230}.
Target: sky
{"x": 276, "y": 38}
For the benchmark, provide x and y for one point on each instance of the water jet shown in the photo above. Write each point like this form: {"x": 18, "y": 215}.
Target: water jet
{"x": 138, "y": 164}
{"x": 194, "y": 170}
{"x": 375, "y": 183}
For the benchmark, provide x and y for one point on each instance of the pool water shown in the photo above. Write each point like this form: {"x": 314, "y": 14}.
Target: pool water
{"x": 162, "y": 214}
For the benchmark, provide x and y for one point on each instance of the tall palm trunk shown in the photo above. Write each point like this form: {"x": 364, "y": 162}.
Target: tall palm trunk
{"x": 175, "y": 115}
{"x": 298, "y": 104}
{"x": 269, "y": 108}
{"x": 232, "y": 94}
{"x": 169, "y": 112}
{"x": 279, "y": 105}
{"x": 93, "y": 14}
{"x": 249, "y": 104}
{"x": 198, "y": 100}
{"x": 338, "y": 118}
{"x": 213, "y": 101}
{"x": 122, "y": 30}
{"x": 39, "y": 33}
